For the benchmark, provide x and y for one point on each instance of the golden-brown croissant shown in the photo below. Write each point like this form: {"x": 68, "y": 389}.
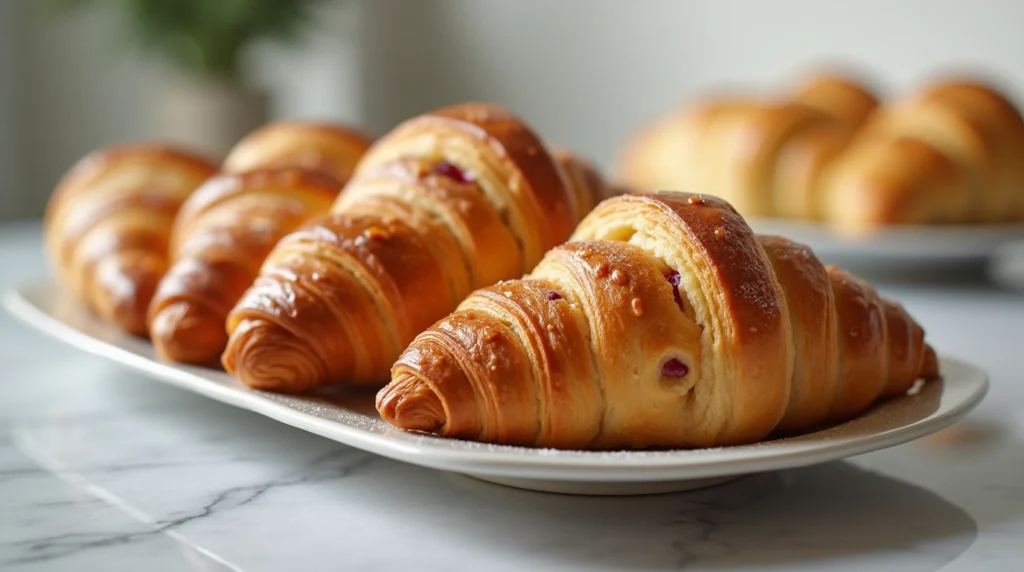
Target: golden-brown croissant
{"x": 275, "y": 179}
{"x": 973, "y": 126}
{"x": 999, "y": 123}
{"x": 220, "y": 238}
{"x": 664, "y": 322}
{"x": 766, "y": 157}
{"x": 107, "y": 225}
{"x": 743, "y": 146}
{"x": 950, "y": 153}
{"x": 829, "y": 151}
{"x": 331, "y": 148}
{"x": 447, "y": 202}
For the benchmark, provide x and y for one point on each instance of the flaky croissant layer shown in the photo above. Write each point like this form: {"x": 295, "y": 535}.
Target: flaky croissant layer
{"x": 664, "y": 322}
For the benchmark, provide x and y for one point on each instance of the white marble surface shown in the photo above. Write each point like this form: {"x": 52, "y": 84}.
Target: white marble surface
{"x": 101, "y": 469}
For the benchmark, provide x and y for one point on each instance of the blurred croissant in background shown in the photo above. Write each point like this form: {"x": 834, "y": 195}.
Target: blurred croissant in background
{"x": 831, "y": 150}
{"x": 108, "y": 223}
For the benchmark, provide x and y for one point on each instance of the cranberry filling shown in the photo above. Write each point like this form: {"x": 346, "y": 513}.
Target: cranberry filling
{"x": 673, "y": 279}
{"x": 552, "y": 295}
{"x": 674, "y": 368}
{"x": 446, "y": 169}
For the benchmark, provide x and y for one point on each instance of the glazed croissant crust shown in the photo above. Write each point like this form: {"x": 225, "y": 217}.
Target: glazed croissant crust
{"x": 108, "y": 222}
{"x": 447, "y": 202}
{"x": 664, "y": 322}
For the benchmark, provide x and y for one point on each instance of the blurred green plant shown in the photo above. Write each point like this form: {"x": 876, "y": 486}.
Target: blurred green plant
{"x": 209, "y": 36}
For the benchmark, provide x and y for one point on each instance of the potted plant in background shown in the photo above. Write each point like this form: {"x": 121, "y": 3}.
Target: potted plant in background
{"x": 207, "y": 104}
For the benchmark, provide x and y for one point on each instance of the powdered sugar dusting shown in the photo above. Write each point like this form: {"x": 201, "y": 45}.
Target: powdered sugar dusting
{"x": 760, "y": 295}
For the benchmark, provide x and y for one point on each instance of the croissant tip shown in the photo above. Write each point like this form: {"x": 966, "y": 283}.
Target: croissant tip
{"x": 409, "y": 403}
{"x": 185, "y": 333}
{"x": 267, "y": 357}
{"x": 930, "y": 368}
{"x": 124, "y": 287}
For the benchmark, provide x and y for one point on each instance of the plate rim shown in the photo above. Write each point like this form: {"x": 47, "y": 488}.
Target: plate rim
{"x": 951, "y": 242}
{"x": 488, "y": 459}
{"x": 981, "y": 230}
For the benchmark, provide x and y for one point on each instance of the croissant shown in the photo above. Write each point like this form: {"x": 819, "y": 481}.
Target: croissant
{"x": 829, "y": 151}
{"x": 948, "y": 154}
{"x": 275, "y": 179}
{"x": 107, "y": 223}
{"x": 724, "y": 132}
{"x": 663, "y": 322}
{"x": 766, "y": 157}
{"x": 976, "y": 130}
{"x": 447, "y": 202}
{"x": 220, "y": 238}
{"x": 331, "y": 148}
{"x": 1000, "y": 124}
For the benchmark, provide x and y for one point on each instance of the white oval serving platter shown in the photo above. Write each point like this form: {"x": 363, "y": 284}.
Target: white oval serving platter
{"x": 350, "y": 418}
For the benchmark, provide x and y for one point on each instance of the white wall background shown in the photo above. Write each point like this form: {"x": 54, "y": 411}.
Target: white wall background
{"x": 583, "y": 72}
{"x": 65, "y": 90}
{"x": 11, "y": 180}
{"x": 586, "y": 71}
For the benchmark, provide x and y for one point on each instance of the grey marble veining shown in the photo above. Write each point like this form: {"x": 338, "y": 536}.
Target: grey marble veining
{"x": 51, "y": 525}
{"x": 101, "y": 469}
{"x": 224, "y": 468}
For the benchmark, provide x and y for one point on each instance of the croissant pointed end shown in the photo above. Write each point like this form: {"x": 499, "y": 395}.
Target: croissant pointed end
{"x": 930, "y": 367}
{"x": 124, "y": 287}
{"x": 409, "y": 403}
{"x": 187, "y": 333}
{"x": 266, "y": 356}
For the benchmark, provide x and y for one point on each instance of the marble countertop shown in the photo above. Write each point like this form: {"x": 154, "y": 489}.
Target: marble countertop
{"x": 101, "y": 469}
